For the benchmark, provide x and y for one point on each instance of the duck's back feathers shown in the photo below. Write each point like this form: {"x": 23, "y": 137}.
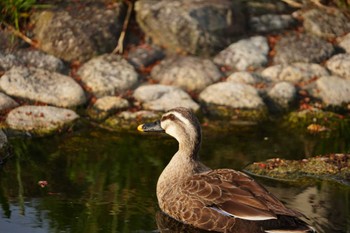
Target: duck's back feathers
{"x": 225, "y": 199}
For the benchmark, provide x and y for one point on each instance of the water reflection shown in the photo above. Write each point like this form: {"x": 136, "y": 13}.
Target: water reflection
{"x": 100, "y": 181}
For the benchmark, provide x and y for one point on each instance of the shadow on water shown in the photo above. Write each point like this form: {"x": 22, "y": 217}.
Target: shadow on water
{"x": 101, "y": 181}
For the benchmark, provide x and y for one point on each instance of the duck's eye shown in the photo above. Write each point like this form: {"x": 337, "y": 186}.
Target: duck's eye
{"x": 170, "y": 117}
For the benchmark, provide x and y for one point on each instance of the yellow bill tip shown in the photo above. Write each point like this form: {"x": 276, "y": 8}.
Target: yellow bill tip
{"x": 139, "y": 128}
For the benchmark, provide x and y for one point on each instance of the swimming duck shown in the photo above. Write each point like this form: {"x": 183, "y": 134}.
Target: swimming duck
{"x": 221, "y": 200}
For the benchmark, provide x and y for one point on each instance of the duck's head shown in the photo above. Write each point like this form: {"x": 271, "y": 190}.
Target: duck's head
{"x": 180, "y": 123}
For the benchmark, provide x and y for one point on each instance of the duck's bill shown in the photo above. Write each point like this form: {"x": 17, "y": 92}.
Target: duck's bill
{"x": 150, "y": 127}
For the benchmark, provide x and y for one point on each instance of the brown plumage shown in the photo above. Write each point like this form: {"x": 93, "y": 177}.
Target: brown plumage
{"x": 222, "y": 200}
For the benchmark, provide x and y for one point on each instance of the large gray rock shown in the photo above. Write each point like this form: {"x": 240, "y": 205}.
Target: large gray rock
{"x": 189, "y": 73}
{"x": 162, "y": 98}
{"x": 234, "y": 95}
{"x": 295, "y": 72}
{"x": 244, "y": 54}
{"x": 340, "y": 65}
{"x": 7, "y": 61}
{"x": 40, "y": 120}
{"x": 108, "y": 74}
{"x": 6, "y": 102}
{"x": 78, "y": 32}
{"x": 302, "y": 48}
{"x": 333, "y": 90}
{"x": 244, "y": 77}
{"x": 195, "y": 27}
{"x": 326, "y": 24}
{"x": 43, "y": 86}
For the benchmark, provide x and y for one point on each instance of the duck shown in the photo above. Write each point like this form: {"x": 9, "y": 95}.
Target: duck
{"x": 217, "y": 200}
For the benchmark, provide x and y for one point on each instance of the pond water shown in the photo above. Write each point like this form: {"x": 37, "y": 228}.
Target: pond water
{"x": 102, "y": 181}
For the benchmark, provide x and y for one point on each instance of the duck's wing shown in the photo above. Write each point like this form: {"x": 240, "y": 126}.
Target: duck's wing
{"x": 234, "y": 194}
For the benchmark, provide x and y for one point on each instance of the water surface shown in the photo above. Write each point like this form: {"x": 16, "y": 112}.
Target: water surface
{"x": 101, "y": 181}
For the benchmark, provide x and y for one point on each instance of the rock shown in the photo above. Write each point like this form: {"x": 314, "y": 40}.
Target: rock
{"x": 261, "y": 7}
{"x": 340, "y": 65}
{"x": 41, "y": 85}
{"x": 189, "y": 73}
{"x": 196, "y": 27}
{"x": 295, "y": 72}
{"x": 244, "y": 77}
{"x": 3, "y": 139}
{"x": 4, "y": 148}
{"x": 330, "y": 167}
{"x": 130, "y": 120}
{"x": 344, "y": 42}
{"x": 108, "y": 74}
{"x": 6, "y": 102}
{"x": 38, "y": 59}
{"x": 333, "y": 90}
{"x": 302, "y": 48}
{"x": 8, "y": 42}
{"x": 244, "y": 54}
{"x": 144, "y": 56}
{"x": 162, "y": 98}
{"x": 7, "y": 61}
{"x": 326, "y": 24}
{"x": 105, "y": 106}
{"x": 282, "y": 95}
{"x": 80, "y": 31}
{"x": 40, "y": 120}
{"x": 271, "y": 22}
{"x": 224, "y": 98}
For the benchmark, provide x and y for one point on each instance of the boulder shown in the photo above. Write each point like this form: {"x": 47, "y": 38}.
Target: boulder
{"x": 271, "y": 22}
{"x": 40, "y": 120}
{"x": 344, "y": 42}
{"x": 108, "y": 74}
{"x": 244, "y": 77}
{"x": 196, "y": 27}
{"x": 80, "y": 31}
{"x": 244, "y": 54}
{"x": 302, "y": 48}
{"x": 189, "y": 73}
{"x": 41, "y": 85}
{"x": 282, "y": 95}
{"x": 162, "y": 98}
{"x": 326, "y": 24}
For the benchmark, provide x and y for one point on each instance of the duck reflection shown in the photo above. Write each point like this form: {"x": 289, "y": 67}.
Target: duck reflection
{"x": 167, "y": 224}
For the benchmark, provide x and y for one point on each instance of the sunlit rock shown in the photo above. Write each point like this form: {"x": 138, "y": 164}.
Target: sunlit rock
{"x": 41, "y": 85}
{"x": 295, "y": 72}
{"x": 40, "y": 120}
{"x": 244, "y": 77}
{"x": 340, "y": 65}
{"x": 233, "y": 100}
{"x": 244, "y": 54}
{"x": 108, "y": 74}
{"x": 105, "y": 106}
{"x": 344, "y": 42}
{"x": 282, "y": 95}
{"x": 189, "y": 73}
{"x": 162, "y": 98}
{"x": 333, "y": 90}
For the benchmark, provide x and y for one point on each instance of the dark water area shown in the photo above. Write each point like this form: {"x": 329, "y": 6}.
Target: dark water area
{"x": 101, "y": 181}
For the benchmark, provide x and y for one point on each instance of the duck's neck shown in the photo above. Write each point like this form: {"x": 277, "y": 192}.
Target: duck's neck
{"x": 183, "y": 164}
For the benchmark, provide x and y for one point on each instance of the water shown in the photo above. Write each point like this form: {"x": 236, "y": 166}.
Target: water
{"x": 101, "y": 181}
